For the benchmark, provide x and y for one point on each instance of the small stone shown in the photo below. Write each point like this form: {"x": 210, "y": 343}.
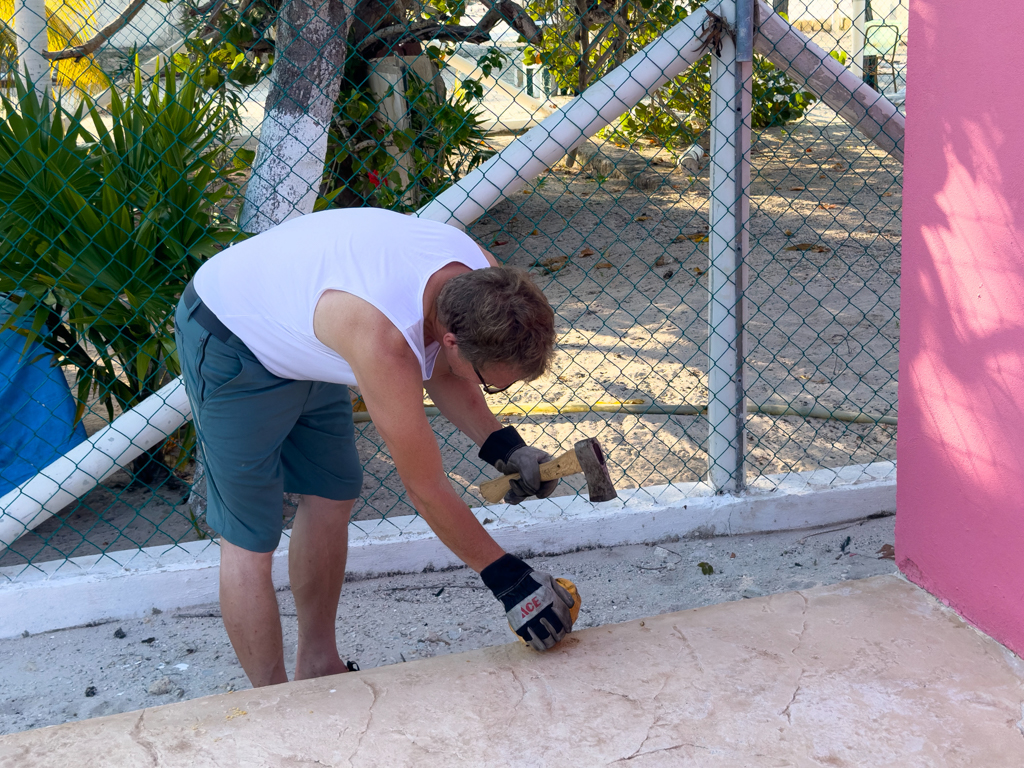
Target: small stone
{"x": 661, "y": 552}
{"x": 454, "y": 634}
{"x": 119, "y": 634}
{"x": 25, "y": 633}
{"x": 90, "y": 691}
{"x": 156, "y": 611}
{"x": 148, "y": 640}
{"x": 161, "y": 687}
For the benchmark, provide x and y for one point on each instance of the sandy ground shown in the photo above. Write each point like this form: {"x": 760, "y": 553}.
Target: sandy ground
{"x": 92, "y": 671}
{"x": 626, "y": 271}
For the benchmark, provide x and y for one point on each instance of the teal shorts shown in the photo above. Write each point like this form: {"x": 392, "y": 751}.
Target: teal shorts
{"x": 262, "y": 436}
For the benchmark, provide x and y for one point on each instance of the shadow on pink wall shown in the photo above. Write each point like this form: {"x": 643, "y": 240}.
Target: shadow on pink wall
{"x": 960, "y": 497}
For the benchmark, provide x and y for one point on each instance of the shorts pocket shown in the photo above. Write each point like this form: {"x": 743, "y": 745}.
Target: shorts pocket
{"x": 218, "y": 367}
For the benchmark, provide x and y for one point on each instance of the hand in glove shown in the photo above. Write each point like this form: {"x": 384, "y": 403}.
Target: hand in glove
{"x": 537, "y": 607}
{"x": 507, "y": 452}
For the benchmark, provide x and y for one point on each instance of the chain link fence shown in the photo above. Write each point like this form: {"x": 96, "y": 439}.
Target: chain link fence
{"x": 111, "y": 202}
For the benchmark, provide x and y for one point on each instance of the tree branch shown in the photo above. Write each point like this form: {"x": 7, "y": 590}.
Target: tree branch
{"x": 390, "y": 36}
{"x": 211, "y": 23}
{"x": 80, "y": 51}
{"x": 513, "y": 15}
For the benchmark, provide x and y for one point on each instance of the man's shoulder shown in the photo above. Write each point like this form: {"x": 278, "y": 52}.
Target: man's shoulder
{"x": 359, "y": 327}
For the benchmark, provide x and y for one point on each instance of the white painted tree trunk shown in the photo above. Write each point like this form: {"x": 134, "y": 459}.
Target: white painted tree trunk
{"x": 289, "y": 166}
{"x": 857, "y": 47}
{"x": 30, "y": 29}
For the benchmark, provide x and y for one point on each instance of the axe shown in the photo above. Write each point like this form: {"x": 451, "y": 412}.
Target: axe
{"x": 586, "y": 457}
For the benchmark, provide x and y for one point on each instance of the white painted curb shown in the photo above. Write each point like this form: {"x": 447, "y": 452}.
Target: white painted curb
{"x": 118, "y": 585}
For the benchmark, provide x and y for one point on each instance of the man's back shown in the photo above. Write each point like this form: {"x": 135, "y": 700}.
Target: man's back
{"x": 266, "y": 289}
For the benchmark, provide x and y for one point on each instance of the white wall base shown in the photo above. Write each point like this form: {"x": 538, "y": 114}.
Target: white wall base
{"x": 130, "y": 583}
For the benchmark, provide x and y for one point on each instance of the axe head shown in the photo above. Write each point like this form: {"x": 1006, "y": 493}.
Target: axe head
{"x": 591, "y": 458}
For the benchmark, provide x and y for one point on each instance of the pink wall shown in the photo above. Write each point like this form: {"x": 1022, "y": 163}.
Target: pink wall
{"x": 960, "y": 498}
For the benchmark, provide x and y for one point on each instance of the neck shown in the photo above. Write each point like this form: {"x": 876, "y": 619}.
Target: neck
{"x": 432, "y": 328}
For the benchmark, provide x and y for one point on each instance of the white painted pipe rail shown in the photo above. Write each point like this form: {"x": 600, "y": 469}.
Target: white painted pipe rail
{"x": 89, "y": 463}
{"x": 730, "y": 145}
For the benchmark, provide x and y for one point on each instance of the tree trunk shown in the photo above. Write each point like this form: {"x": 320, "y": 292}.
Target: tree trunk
{"x": 30, "y": 28}
{"x": 305, "y": 82}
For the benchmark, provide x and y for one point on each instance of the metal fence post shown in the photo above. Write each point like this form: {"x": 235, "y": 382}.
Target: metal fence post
{"x": 730, "y": 142}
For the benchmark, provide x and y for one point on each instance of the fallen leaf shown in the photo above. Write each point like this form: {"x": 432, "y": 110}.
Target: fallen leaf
{"x": 587, "y": 252}
{"x": 706, "y": 568}
{"x": 807, "y": 151}
{"x": 585, "y": 194}
{"x": 527, "y": 191}
{"x": 667, "y": 275}
{"x": 838, "y": 167}
{"x": 534, "y": 233}
{"x": 697, "y": 237}
{"x": 827, "y": 206}
{"x": 807, "y": 247}
{"x": 887, "y": 552}
{"x": 697, "y": 270}
{"x": 661, "y": 262}
{"x": 641, "y": 218}
{"x": 822, "y": 176}
{"x": 604, "y": 265}
{"x": 796, "y": 189}
{"x": 733, "y": 555}
{"x": 887, "y": 194}
{"x": 500, "y": 242}
{"x": 787, "y": 232}
{"x": 554, "y": 260}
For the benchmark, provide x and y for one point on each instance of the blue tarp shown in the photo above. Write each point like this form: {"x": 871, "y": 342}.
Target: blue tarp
{"x": 36, "y": 408}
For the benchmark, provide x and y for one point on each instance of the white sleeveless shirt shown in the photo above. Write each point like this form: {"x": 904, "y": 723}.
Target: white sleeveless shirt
{"x": 266, "y": 288}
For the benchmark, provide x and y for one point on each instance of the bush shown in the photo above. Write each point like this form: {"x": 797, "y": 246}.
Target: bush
{"x": 680, "y": 111}
{"x": 101, "y": 227}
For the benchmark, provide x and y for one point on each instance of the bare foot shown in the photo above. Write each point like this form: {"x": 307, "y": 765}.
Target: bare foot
{"x": 306, "y": 670}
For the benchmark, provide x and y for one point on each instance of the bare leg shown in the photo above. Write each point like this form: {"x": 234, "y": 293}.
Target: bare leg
{"x": 316, "y": 565}
{"x": 248, "y": 604}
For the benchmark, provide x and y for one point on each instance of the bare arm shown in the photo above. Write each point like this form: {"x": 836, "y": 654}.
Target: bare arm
{"x": 390, "y": 382}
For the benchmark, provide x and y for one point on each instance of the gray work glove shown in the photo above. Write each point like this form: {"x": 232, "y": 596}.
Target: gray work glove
{"x": 536, "y": 606}
{"x": 507, "y": 452}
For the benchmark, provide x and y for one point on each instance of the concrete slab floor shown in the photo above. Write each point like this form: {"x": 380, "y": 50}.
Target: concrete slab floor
{"x": 118, "y": 666}
{"x": 865, "y": 673}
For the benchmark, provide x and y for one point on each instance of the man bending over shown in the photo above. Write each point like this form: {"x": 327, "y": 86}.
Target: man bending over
{"x": 273, "y": 331}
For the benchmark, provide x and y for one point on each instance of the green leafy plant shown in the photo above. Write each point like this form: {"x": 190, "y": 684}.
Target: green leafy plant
{"x": 445, "y": 138}
{"x": 103, "y": 219}
{"x": 679, "y": 113}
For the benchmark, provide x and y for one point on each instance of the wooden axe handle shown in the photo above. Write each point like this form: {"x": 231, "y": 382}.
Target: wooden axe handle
{"x": 560, "y": 466}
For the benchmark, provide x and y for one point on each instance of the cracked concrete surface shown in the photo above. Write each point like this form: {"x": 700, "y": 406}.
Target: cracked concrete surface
{"x": 864, "y": 673}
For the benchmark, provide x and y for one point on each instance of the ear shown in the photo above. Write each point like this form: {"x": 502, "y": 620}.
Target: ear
{"x": 449, "y": 341}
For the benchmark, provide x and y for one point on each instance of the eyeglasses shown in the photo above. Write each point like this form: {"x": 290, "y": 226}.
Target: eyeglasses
{"x": 487, "y": 387}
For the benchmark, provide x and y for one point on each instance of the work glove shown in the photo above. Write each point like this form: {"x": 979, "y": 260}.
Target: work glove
{"x": 508, "y": 453}
{"x": 536, "y": 606}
